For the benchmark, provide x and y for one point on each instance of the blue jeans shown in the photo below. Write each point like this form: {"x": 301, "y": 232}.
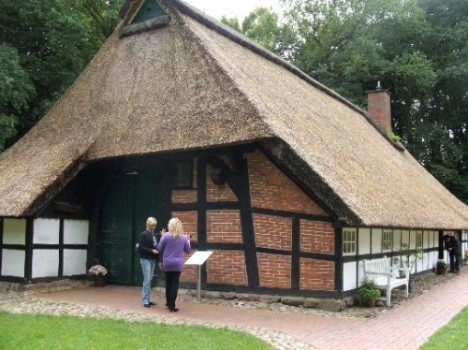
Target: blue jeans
{"x": 147, "y": 266}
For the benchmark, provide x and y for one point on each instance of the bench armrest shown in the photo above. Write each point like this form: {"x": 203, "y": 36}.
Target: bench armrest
{"x": 407, "y": 269}
{"x": 379, "y": 273}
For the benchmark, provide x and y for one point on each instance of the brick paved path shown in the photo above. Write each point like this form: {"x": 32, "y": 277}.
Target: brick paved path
{"x": 406, "y": 326}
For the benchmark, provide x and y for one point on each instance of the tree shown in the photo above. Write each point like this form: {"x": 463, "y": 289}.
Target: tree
{"x": 44, "y": 46}
{"x": 448, "y": 105}
{"x": 15, "y": 91}
{"x": 263, "y": 26}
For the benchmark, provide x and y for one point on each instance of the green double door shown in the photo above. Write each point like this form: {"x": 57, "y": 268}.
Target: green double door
{"x": 128, "y": 202}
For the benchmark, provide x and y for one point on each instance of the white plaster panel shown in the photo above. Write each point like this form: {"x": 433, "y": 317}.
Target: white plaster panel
{"x": 360, "y": 272}
{"x": 427, "y": 235}
{"x": 405, "y": 238}
{"x": 14, "y": 231}
{"x": 364, "y": 241}
{"x": 349, "y": 276}
{"x": 433, "y": 259}
{"x": 376, "y": 240}
{"x": 46, "y": 231}
{"x": 45, "y": 263}
{"x": 429, "y": 261}
{"x": 396, "y": 240}
{"x": 13, "y": 263}
{"x": 75, "y": 232}
{"x": 419, "y": 265}
{"x": 413, "y": 240}
{"x": 464, "y": 244}
{"x": 74, "y": 262}
{"x": 434, "y": 239}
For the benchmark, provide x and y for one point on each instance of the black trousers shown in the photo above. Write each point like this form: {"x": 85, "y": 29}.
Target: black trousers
{"x": 172, "y": 288}
{"x": 455, "y": 258}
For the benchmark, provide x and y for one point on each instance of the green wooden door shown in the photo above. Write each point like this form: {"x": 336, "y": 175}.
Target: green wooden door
{"x": 129, "y": 200}
{"x": 147, "y": 203}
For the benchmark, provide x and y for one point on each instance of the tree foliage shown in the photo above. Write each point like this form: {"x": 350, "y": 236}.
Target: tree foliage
{"x": 264, "y": 27}
{"x": 44, "y": 45}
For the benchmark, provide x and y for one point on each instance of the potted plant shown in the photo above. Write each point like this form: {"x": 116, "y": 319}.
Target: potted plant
{"x": 441, "y": 267}
{"x": 368, "y": 293}
{"x": 98, "y": 273}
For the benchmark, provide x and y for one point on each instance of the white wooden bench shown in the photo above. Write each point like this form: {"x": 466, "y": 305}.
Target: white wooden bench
{"x": 384, "y": 276}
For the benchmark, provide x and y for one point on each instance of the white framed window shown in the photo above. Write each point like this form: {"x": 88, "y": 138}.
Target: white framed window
{"x": 349, "y": 241}
{"x": 387, "y": 240}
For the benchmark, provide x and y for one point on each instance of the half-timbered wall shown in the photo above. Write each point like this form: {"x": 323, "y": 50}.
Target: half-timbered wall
{"x": 265, "y": 232}
{"x": 370, "y": 243}
{"x": 42, "y": 248}
{"x": 294, "y": 236}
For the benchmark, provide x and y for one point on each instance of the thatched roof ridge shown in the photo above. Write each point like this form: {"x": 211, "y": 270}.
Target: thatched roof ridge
{"x": 196, "y": 84}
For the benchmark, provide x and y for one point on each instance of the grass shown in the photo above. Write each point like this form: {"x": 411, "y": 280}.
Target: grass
{"x": 27, "y": 331}
{"x": 453, "y": 336}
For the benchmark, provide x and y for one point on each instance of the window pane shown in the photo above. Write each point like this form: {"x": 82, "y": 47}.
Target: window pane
{"x": 184, "y": 174}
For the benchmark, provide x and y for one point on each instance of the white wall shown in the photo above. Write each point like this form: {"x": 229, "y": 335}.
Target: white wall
{"x": 14, "y": 231}
{"x": 464, "y": 244}
{"x": 46, "y": 231}
{"x": 397, "y": 234}
{"x": 75, "y": 232}
{"x": 376, "y": 240}
{"x": 13, "y": 263}
{"x": 402, "y": 239}
{"x": 349, "y": 275}
{"x": 74, "y": 262}
{"x": 364, "y": 241}
{"x": 45, "y": 263}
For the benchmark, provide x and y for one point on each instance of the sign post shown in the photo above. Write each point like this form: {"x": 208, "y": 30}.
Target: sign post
{"x": 198, "y": 259}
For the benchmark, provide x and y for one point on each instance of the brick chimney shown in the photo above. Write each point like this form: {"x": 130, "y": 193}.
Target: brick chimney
{"x": 378, "y": 107}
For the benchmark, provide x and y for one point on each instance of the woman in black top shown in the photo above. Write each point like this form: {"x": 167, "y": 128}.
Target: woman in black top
{"x": 148, "y": 258}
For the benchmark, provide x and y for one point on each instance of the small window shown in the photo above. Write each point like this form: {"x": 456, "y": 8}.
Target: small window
{"x": 387, "y": 240}
{"x": 184, "y": 174}
{"x": 349, "y": 241}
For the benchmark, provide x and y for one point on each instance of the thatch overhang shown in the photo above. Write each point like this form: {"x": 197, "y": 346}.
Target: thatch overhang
{"x": 196, "y": 84}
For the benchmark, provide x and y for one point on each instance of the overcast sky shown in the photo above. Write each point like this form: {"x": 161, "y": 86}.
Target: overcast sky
{"x": 233, "y": 8}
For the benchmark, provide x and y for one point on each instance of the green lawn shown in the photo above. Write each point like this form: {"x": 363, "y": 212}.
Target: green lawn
{"x": 453, "y": 336}
{"x": 24, "y": 331}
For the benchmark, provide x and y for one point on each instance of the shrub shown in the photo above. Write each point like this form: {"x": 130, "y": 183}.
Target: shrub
{"x": 368, "y": 291}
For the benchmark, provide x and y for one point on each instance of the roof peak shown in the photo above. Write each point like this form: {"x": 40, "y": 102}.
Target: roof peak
{"x": 141, "y": 16}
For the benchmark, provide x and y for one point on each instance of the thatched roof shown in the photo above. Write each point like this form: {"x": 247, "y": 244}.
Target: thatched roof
{"x": 196, "y": 84}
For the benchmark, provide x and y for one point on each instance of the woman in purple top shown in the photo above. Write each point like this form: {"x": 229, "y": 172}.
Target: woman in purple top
{"x": 172, "y": 247}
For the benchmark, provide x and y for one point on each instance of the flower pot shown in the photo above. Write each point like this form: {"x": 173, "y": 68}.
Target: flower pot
{"x": 99, "y": 280}
{"x": 441, "y": 270}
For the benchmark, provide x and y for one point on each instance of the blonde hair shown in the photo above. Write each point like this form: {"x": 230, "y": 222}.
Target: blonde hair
{"x": 175, "y": 227}
{"x": 150, "y": 221}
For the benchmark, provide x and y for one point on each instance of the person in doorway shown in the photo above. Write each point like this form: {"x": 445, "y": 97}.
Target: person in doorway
{"x": 148, "y": 258}
{"x": 453, "y": 246}
{"x": 172, "y": 247}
